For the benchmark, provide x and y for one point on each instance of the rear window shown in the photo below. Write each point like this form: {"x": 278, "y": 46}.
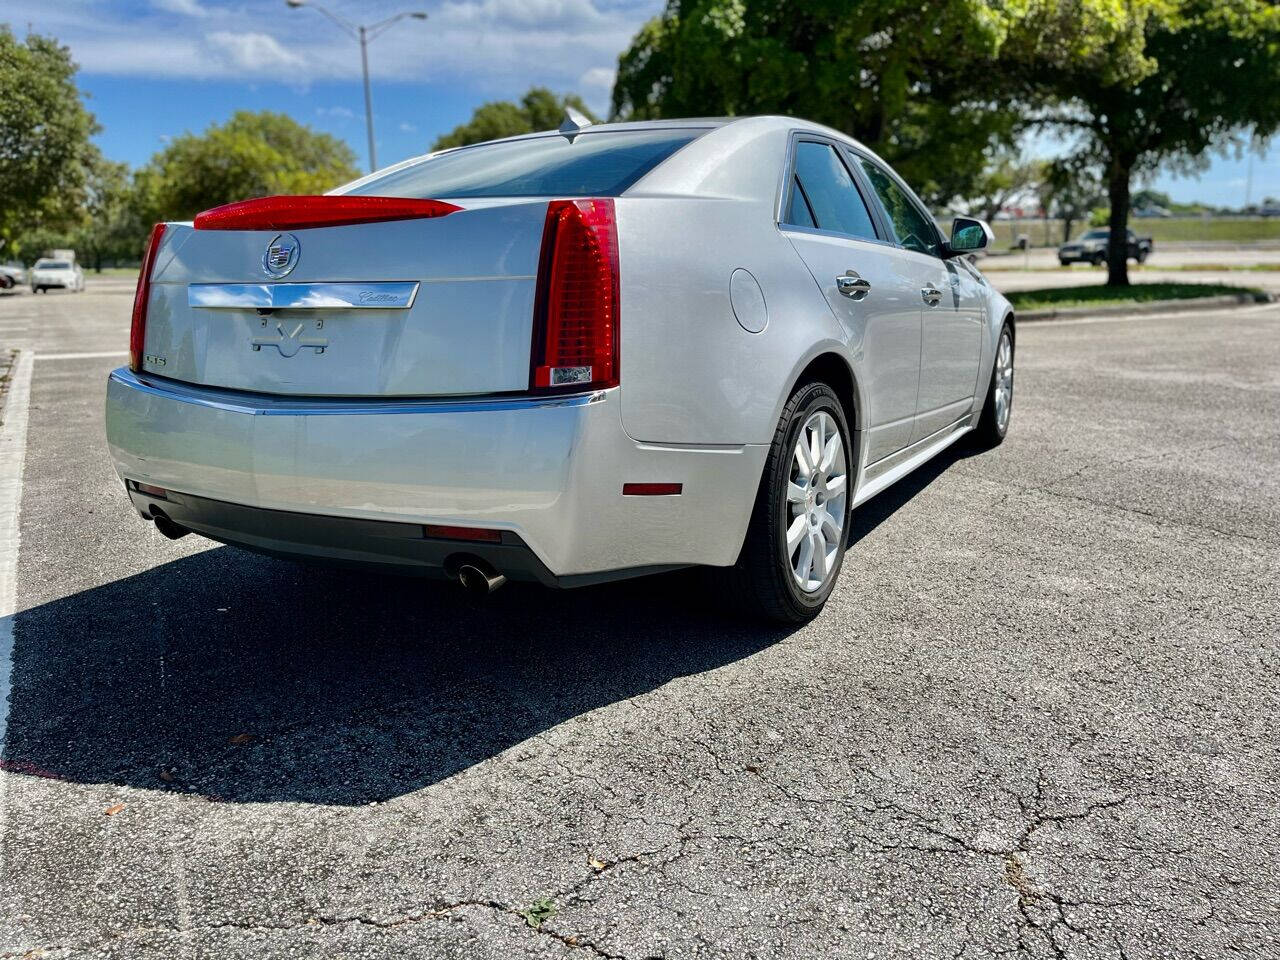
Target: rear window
{"x": 595, "y": 164}
{"x": 53, "y": 265}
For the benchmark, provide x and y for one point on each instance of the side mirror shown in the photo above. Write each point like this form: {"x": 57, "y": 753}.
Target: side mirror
{"x": 969, "y": 234}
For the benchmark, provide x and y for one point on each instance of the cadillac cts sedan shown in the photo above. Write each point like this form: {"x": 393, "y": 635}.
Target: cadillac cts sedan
{"x": 567, "y": 357}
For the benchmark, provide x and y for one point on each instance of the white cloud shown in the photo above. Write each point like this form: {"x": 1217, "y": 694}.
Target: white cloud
{"x": 252, "y": 51}
{"x": 495, "y": 47}
{"x": 407, "y": 127}
{"x": 186, "y": 8}
{"x": 339, "y": 113}
{"x": 598, "y": 78}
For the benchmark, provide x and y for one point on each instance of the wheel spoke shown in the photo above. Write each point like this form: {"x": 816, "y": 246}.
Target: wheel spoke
{"x": 817, "y": 438}
{"x": 795, "y": 532}
{"x": 795, "y": 493}
{"x": 802, "y": 458}
{"x": 804, "y": 563}
{"x": 830, "y": 452}
{"x": 835, "y": 486}
{"x": 830, "y": 529}
{"x": 819, "y": 556}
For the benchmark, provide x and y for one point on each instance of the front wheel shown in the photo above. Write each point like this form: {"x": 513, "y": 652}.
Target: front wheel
{"x": 994, "y": 423}
{"x": 795, "y": 543}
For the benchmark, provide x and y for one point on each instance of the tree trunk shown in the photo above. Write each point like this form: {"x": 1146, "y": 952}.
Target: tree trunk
{"x": 1067, "y": 224}
{"x": 1118, "y": 173}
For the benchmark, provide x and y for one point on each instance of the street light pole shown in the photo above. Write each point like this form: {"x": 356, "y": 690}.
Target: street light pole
{"x": 368, "y": 100}
{"x": 365, "y": 34}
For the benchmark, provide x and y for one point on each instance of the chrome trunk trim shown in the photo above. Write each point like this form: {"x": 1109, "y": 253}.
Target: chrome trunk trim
{"x": 382, "y": 295}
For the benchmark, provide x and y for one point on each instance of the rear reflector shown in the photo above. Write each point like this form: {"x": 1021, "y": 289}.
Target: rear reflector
{"x": 298, "y": 213}
{"x": 652, "y": 489}
{"x": 463, "y": 533}
{"x": 575, "y": 340}
{"x": 151, "y": 491}
{"x": 138, "y": 328}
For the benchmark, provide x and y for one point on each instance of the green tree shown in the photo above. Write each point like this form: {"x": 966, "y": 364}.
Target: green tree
{"x": 44, "y": 136}
{"x": 1157, "y": 83}
{"x": 539, "y": 109}
{"x": 1073, "y": 190}
{"x": 906, "y": 78}
{"x": 1006, "y": 178}
{"x": 251, "y": 155}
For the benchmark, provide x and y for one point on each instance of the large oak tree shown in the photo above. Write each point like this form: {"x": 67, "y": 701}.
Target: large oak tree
{"x": 906, "y": 78}
{"x": 45, "y": 152}
{"x": 1162, "y": 83}
{"x": 251, "y": 155}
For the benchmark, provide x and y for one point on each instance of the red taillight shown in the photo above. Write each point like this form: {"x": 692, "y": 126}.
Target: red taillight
{"x": 575, "y": 340}
{"x": 138, "y": 329}
{"x": 298, "y": 213}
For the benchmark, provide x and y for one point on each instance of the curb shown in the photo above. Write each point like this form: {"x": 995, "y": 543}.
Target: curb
{"x": 1151, "y": 306}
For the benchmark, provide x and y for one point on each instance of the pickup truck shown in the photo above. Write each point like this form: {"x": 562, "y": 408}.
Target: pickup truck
{"x": 1092, "y": 248}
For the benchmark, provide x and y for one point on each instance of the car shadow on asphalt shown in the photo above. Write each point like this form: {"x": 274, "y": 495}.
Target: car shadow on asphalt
{"x": 248, "y": 679}
{"x": 244, "y": 678}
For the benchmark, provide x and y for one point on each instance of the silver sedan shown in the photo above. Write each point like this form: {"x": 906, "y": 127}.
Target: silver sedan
{"x": 566, "y": 357}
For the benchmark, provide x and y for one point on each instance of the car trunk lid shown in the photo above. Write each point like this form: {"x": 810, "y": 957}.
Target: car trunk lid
{"x": 432, "y": 306}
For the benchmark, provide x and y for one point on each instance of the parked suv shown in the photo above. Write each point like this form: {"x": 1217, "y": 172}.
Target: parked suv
{"x": 1092, "y": 248}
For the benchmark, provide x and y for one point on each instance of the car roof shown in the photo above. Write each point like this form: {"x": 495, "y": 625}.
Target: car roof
{"x": 677, "y": 123}
{"x": 674, "y": 123}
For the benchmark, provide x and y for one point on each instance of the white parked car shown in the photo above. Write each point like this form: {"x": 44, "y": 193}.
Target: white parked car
{"x": 11, "y": 275}
{"x": 47, "y": 274}
{"x": 564, "y": 358}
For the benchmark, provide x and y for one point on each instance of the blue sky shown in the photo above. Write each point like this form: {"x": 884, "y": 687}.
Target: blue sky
{"x": 155, "y": 68}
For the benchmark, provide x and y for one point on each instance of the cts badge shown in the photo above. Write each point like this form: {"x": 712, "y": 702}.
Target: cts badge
{"x": 281, "y": 256}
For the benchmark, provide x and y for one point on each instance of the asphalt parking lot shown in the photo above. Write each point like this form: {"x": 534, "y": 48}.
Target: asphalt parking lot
{"x": 1038, "y": 718}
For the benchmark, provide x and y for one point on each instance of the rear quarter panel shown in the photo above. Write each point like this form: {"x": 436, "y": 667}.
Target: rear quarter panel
{"x": 690, "y": 373}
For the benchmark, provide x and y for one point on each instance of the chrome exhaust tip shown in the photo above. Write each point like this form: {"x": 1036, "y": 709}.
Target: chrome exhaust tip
{"x": 477, "y": 577}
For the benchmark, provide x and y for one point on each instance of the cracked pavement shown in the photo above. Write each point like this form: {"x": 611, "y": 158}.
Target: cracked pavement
{"x": 1038, "y": 718}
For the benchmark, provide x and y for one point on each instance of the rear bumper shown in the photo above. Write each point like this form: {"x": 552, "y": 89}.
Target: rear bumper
{"x": 548, "y": 472}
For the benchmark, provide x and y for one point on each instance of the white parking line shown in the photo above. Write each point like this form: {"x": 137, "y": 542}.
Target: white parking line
{"x": 13, "y": 456}
{"x": 82, "y": 356}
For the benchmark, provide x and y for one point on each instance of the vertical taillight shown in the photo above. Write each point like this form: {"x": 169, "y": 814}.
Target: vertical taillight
{"x": 575, "y": 339}
{"x": 138, "y": 329}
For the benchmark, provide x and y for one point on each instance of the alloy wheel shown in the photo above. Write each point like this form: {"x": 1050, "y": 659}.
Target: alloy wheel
{"x": 1004, "y": 381}
{"x": 817, "y": 498}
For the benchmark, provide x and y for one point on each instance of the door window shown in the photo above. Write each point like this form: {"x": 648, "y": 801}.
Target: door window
{"x": 912, "y": 227}
{"x": 824, "y": 195}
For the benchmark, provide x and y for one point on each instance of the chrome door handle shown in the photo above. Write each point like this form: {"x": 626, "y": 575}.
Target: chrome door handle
{"x": 932, "y": 295}
{"x": 853, "y": 286}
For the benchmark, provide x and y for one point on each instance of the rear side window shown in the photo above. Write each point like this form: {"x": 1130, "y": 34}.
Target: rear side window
{"x": 594, "y": 164}
{"x": 912, "y": 227}
{"x": 824, "y": 194}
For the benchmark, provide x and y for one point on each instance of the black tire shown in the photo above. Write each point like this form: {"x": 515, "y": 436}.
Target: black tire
{"x": 990, "y": 432}
{"x": 1064, "y": 263}
{"x": 1141, "y": 256}
{"x": 762, "y": 578}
